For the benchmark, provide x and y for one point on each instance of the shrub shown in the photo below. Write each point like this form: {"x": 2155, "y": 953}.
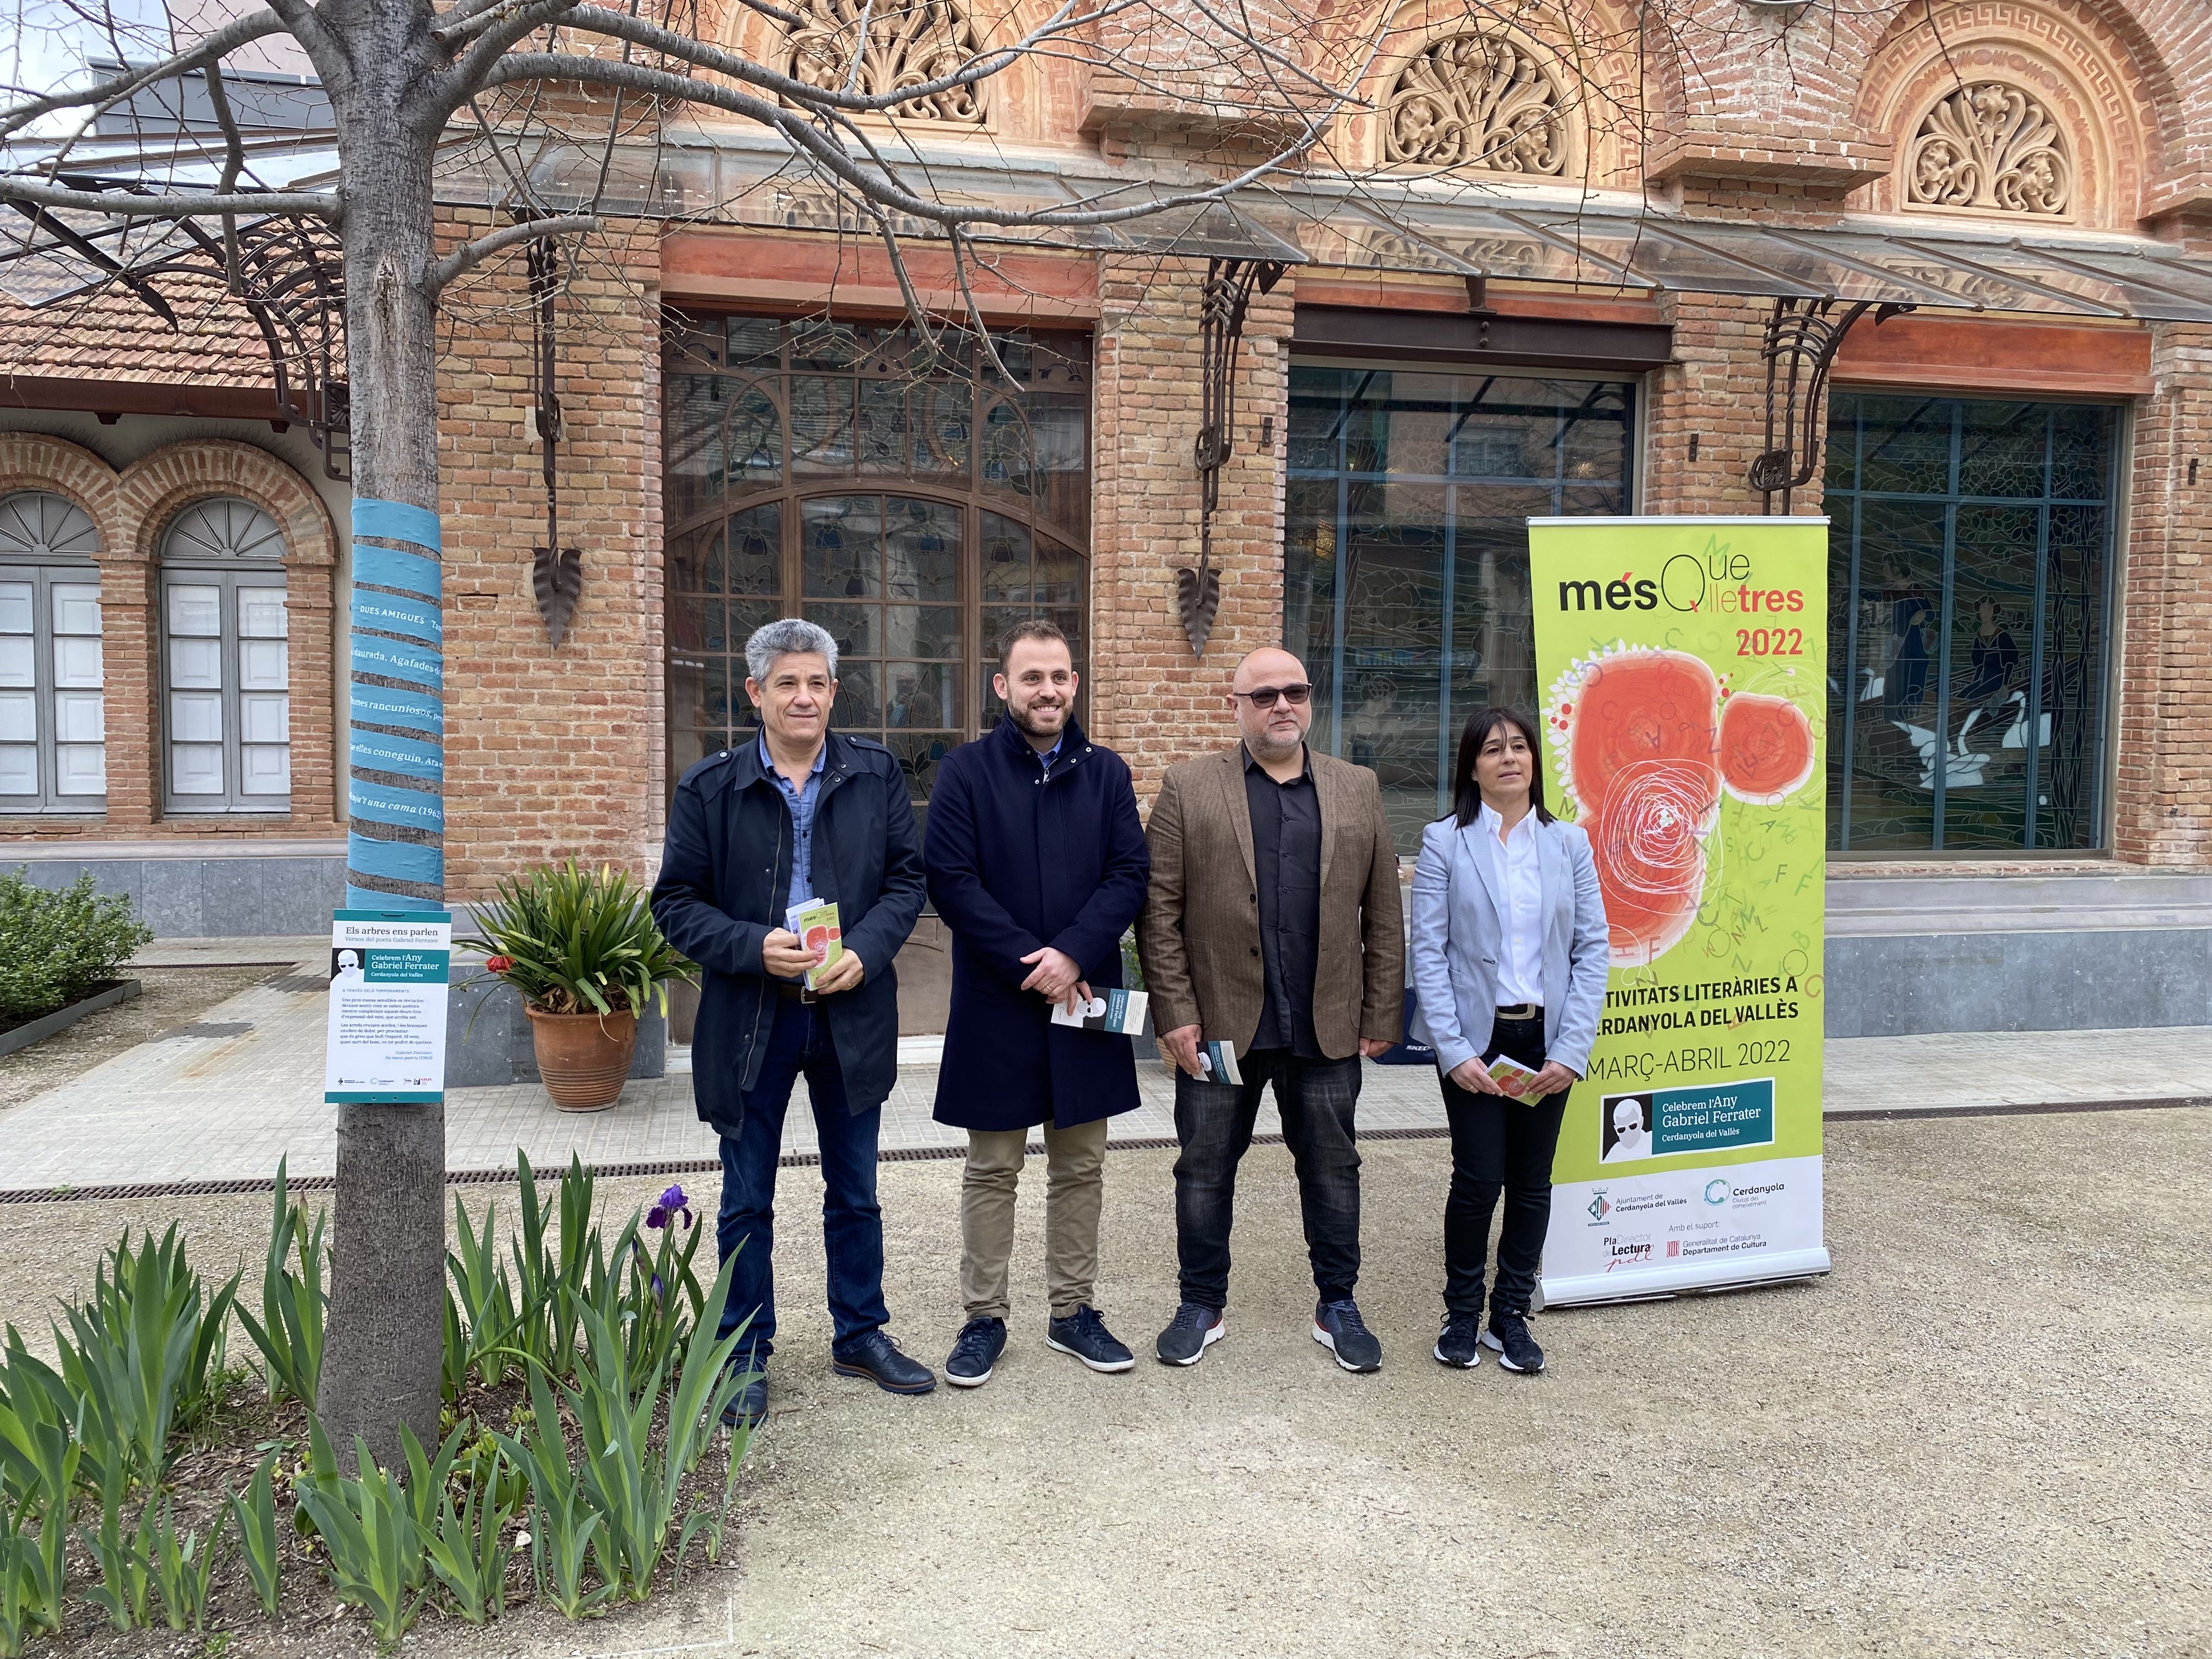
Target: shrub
{"x": 54, "y": 946}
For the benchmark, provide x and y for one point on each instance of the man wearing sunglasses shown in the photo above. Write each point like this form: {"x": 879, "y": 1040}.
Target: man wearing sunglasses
{"x": 1272, "y": 928}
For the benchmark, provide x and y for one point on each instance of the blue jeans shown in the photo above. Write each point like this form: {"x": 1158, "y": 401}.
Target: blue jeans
{"x": 1213, "y": 1120}
{"x": 852, "y": 1221}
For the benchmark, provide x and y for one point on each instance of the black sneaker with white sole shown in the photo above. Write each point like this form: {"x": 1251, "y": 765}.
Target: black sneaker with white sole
{"x": 1508, "y": 1338}
{"x": 1083, "y": 1335}
{"x": 1339, "y": 1327}
{"x": 1194, "y": 1328}
{"x": 975, "y": 1351}
{"x": 1458, "y": 1343}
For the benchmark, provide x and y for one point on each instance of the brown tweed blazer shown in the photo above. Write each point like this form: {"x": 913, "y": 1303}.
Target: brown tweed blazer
{"x": 1199, "y": 934}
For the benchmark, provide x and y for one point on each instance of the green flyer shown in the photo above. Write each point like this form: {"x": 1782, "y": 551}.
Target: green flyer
{"x": 1683, "y": 663}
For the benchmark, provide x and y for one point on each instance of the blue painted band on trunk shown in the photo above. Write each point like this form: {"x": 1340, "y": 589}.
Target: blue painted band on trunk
{"x": 364, "y": 898}
{"x": 414, "y": 757}
{"x": 384, "y": 705}
{"x": 398, "y": 616}
{"x": 399, "y": 662}
{"x": 396, "y": 860}
{"x": 397, "y": 521}
{"x": 387, "y": 803}
{"x": 391, "y": 566}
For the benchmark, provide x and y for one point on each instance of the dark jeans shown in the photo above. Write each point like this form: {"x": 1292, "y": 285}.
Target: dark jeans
{"x": 1213, "y": 1122}
{"x": 852, "y": 1222}
{"x": 1498, "y": 1143}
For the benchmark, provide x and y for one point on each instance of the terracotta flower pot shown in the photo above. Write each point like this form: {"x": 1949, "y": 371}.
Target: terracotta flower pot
{"x": 583, "y": 1058}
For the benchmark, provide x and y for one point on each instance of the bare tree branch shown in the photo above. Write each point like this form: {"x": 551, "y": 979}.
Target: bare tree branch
{"x": 469, "y": 255}
{"x": 221, "y": 43}
{"x": 183, "y": 204}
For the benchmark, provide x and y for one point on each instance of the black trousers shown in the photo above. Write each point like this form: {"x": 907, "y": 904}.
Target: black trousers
{"x": 1499, "y": 1145}
{"x": 1318, "y": 1100}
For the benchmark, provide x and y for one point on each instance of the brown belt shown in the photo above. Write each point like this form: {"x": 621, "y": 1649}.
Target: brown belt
{"x": 1520, "y": 1011}
{"x": 795, "y": 993}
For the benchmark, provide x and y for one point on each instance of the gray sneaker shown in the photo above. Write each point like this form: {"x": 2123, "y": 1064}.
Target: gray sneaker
{"x": 1193, "y": 1330}
{"x": 1339, "y": 1327}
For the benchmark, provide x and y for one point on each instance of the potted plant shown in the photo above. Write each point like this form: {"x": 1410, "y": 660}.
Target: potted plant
{"x": 582, "y": 947}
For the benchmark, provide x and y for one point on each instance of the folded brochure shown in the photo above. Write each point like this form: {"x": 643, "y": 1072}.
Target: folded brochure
{"x": 816, "y": 924}
{"x": 1119, "y": 1012}
{"x": 1515, "y": 1079}
{"x": 1218, "y": 1060}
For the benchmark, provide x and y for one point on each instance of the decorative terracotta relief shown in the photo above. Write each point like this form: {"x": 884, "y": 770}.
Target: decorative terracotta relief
{"x": 905, "y": 45}
{"x": 1482, "y": 102}
{"x": 1990, "y": 145}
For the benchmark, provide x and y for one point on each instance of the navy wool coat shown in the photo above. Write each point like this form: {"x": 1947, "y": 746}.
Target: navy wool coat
{"x": 1019, "y": 861}
{"x": 725, "y": 882}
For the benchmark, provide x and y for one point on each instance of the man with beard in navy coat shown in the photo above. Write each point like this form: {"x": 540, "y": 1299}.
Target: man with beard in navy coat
{"x": 1037, "y": 861}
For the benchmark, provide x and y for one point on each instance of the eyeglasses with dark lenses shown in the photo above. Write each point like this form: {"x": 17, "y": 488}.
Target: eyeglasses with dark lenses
{"x": 1265, "y": 696}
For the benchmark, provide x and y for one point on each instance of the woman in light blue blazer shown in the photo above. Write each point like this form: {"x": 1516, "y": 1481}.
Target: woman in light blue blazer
{"x": 1510, "y": 950}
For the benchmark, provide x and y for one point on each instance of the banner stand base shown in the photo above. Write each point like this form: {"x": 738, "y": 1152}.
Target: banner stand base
{"x": 1650, "y": 1284}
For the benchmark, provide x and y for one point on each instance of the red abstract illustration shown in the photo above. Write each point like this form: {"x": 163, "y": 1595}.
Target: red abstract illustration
{"x": 1647, "y": 740}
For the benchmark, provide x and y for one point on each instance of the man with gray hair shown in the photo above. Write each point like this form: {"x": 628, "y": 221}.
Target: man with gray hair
{"x": 802, "y": 813}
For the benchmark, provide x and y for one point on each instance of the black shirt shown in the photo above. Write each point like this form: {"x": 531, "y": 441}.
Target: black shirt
{"x": 1287, "y": 866}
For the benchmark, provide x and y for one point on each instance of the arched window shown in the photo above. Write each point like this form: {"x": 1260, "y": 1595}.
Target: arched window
{"x": 53, "y": 749}
{"x": 908, "y": 498}
{"x": 225, "y": 665}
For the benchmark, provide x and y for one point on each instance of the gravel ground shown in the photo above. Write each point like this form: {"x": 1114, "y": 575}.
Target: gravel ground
{"x": 1984, "y": 1435}
{"x": 170, "y": 997}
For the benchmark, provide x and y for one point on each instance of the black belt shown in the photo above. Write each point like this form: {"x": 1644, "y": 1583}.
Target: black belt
{"x": 1521, "y": 1011}
{"x": 795, "y": 993}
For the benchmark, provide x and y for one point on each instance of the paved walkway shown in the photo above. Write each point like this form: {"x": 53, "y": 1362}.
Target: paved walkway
{"x": 224, "y": 1097}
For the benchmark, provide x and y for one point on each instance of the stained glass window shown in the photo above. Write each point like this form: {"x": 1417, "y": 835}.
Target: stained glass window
{"x": 1970, "y": 563}
{"x": 1406, "y": 570}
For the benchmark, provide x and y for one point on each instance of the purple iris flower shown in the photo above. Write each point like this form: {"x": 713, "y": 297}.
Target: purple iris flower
{"x": 672, "y": 1204}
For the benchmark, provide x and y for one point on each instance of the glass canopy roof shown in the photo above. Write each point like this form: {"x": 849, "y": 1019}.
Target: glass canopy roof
{"x": 1367, "y": 226}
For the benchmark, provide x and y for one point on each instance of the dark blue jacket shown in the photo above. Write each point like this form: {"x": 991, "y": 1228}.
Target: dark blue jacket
{"x": 725, "y": 882}
{"x": 1016, "y": 861}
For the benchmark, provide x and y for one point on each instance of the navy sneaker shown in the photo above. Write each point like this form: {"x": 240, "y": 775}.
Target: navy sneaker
{"x": 1508, "y": 1338}
{"x": 1339, "y": 1327}
{"x": 1458, "y": 1343}
{"x": 975, "y": 1351}
{"x": 877, "y": 1357}
{"x": 749, "y": 1405}
{"x": 1083, "y": 1335}
{"x": 1194, "y": 1328}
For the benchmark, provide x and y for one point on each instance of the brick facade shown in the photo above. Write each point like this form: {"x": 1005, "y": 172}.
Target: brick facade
{"x": 1748, "y": 115}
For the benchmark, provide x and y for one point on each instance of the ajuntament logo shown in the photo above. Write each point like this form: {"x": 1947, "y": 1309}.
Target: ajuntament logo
{"x": 1599, "y": 1206}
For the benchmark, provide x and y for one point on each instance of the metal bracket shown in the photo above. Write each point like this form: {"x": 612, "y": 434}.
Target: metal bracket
{"x": 556, "y": 576}
{"x": 1803, "y": 338}
{"x": 1228, "y": 296}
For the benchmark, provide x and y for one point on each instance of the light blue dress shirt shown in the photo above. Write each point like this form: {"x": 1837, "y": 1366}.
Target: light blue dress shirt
{"x": 802, "y": 807}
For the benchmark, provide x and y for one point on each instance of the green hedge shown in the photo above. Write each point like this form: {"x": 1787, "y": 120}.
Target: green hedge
{"x": 55, "y": 945}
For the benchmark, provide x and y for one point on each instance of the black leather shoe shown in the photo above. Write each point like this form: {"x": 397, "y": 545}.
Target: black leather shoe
{"x": 1508, "y": 1337}
{"x": 877, "y": 1357}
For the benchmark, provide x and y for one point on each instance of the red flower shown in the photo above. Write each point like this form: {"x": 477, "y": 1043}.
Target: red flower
{"x": 498, "y": 964}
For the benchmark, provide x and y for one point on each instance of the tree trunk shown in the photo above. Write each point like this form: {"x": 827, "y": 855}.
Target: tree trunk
{"x": 380, "y": 1367}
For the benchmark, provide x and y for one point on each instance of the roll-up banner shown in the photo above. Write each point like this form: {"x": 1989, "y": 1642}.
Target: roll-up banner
{"x": 1683, "y": 665}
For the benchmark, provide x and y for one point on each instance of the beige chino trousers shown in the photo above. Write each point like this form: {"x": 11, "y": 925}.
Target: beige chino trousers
{"x": 1075, "y": 1187}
